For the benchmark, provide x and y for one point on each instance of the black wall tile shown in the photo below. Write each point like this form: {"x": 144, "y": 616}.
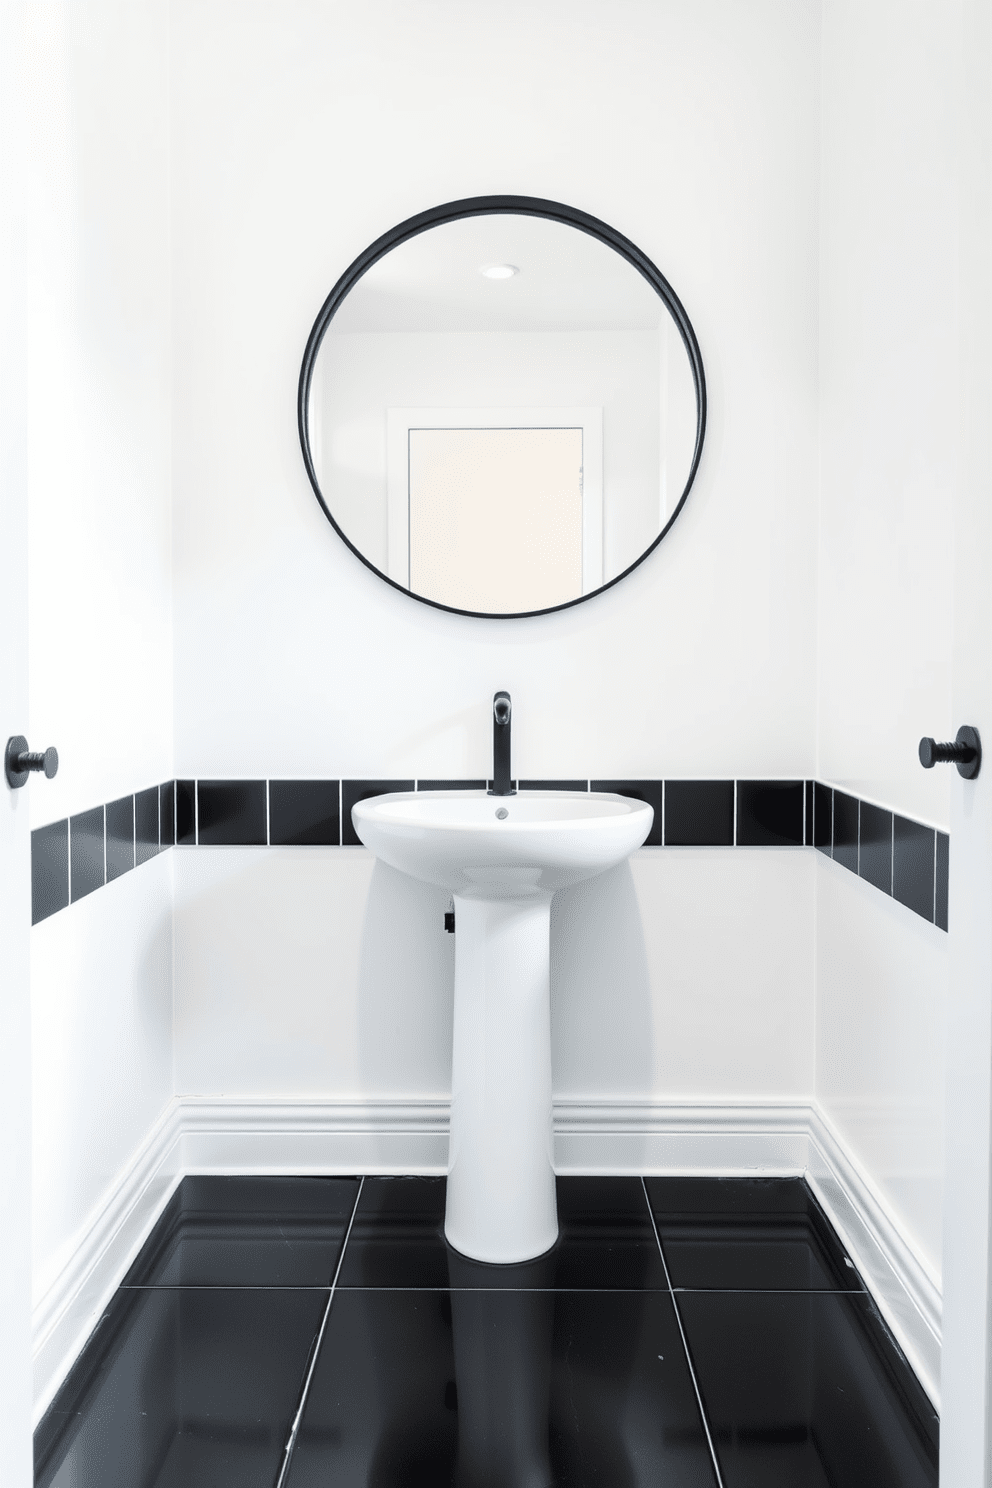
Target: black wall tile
{"x": 912, "y": 866}
{"x": 808, "y": 814}
{"x": 943, "y": 865}
{"x": 823, "y": 818}
{"x": 49, "y": 870}
{"x": 846, "y": 830}
{"x": 167, "y": 813}
{"x": 120, "y": 837}
{"x": 651, "y": 791}
{"x": 86, "y": 852}
{"x": 699, "y": 813}
{"x": 146, "y": 824}
{"x": 769, "y": 813}
{"x": 554, "y": 785}
{"x": 439, "y": 785}
{"x": 185, "y": 812}
{"x": 875, "y": 847}
{"x": 359, "y": 790}
{"x": 304, "y": 813}
{"x": 231, "y": 813}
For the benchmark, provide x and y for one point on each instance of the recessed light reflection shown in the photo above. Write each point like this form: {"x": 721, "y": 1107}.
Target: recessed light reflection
{"x": 499, "y": 271}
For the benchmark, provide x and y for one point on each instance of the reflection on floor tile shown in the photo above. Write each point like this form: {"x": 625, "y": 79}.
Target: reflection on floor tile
{"x": 808, "y": 1391}
{"x": 192, "y": 1389}
{"x": 764, "y": 1233}
{"x": 606, "y": 1239}
{"x": 510, "y": 1389}
{"x": 247, "y": 1232}
{"x": 569, "y": 1371}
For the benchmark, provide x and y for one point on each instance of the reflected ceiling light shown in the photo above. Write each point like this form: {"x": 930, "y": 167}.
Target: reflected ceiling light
{"x": 499, "y": 271}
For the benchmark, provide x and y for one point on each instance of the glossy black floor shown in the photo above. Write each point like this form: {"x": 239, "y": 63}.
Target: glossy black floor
{"x": 318, "y": 1331}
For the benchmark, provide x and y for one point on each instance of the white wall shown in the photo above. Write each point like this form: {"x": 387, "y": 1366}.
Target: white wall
{"x": 294, "y": 147}
{"x": 303, "y": 973}
{"x": 98, "y": 315}
{"x": 889, "y": 388}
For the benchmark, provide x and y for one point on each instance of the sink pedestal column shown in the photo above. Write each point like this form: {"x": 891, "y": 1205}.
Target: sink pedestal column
{"x": 501, "y": 1185}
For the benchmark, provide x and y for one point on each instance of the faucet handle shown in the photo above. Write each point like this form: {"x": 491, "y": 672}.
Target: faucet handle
{"x": 501, "y": 707}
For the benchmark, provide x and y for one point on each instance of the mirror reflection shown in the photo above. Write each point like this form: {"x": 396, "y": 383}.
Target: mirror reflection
{"x": 502, "y": 413}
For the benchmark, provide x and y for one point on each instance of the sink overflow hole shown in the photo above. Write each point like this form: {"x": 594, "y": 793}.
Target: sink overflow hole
{"x": 502, "y": 814}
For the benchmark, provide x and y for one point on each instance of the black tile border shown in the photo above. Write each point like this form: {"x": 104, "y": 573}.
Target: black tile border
{"x": 902, "y": 858}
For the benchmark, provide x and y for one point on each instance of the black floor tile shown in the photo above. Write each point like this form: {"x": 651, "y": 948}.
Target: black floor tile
{"x": 86, "y": 859}
{"x": 808, "y": 797}
{"x": 120, "y": 837}
{"x": 756, "y": 1233}
{"x": 651, "y": 791}
{"x": 182, "y": 1389}
{"x": 146, "y": 825}
{"x": 699, "y": 813}
{"x": 353, "y": 791}
{"x": 846, "y": 830}
{"x": 397, "y": 1239}
{"x": 606, "y": 1240}
{"x": 875, "y": 846}
{"x": 248, "y": 1232}
{"x": 49, "y": 870}
{"x": 808, "y": 1390}
{"x": 231, "y": 813}
{"x": 769, "y": 813}
{"x": 503, "y": 1388}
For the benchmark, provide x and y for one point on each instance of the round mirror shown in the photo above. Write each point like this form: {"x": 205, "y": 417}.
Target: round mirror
{"x": 502, "y": 406}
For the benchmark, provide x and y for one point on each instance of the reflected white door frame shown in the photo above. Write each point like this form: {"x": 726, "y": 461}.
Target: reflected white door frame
{"x": 399, "y": 422}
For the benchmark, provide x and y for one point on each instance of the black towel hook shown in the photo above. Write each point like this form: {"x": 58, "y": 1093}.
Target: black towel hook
{"x": 18, "y": 761}
{"x": 965, "y": 752}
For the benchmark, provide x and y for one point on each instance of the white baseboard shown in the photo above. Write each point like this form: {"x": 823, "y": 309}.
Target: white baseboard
{"x": 904, "y": 1288}
{"x": 221, "y": 1135}
{"x": 62, "y": 1319}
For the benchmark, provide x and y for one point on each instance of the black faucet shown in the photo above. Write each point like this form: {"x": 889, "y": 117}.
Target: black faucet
{"x": 501, "y": 746}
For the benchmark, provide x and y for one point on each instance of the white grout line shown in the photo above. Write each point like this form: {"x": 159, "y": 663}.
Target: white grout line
{"x": 293, "y": 1430}
{"x": 685, "y": 1344}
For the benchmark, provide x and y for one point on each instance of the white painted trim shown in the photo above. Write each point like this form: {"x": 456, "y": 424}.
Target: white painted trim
{"x": 902, "y": 1284}
{"x": 197, "y": 1134}
{"x": 64, "y": 1316}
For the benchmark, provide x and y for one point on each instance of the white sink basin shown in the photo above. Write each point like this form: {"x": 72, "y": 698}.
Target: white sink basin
{"x": 503, "y": 872}
{"x": 492, "y": 846}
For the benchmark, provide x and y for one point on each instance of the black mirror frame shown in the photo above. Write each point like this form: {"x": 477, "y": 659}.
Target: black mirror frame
{"x": 482, "y": 206}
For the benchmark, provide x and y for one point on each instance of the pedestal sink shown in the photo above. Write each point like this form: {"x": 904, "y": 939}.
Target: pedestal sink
{"x": 503, "y": 858}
